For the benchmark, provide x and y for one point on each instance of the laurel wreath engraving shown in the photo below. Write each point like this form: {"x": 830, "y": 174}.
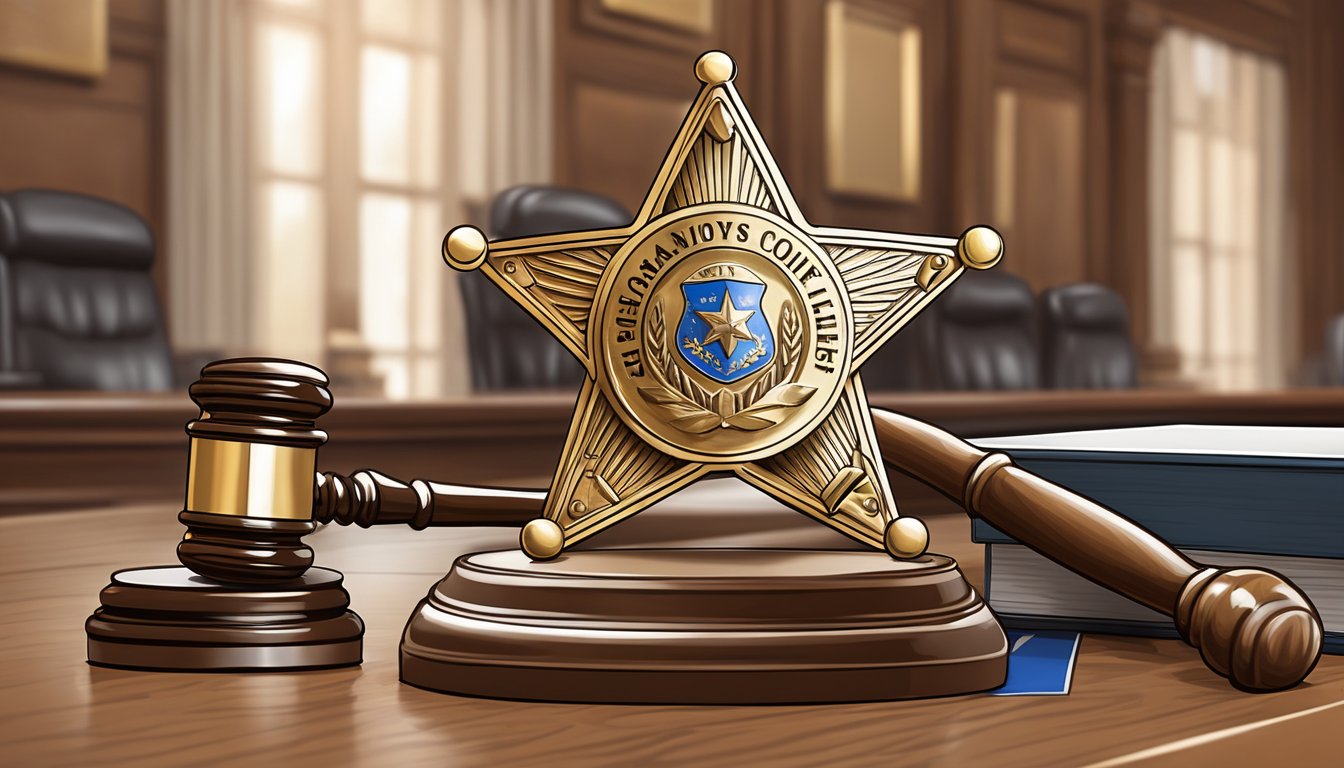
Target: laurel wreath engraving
{"x": 691, "y": 408}
{"x": 695, "y": 347}
{"x": 707, "y": 357}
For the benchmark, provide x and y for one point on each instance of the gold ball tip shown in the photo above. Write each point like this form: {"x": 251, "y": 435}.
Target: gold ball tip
{"x": 464, "y": 248}
{"x": 715, "y": 68}
{"x": 906, "y": 538}
{"x": 980, "y": 247}
{"x": 542, "y": 539}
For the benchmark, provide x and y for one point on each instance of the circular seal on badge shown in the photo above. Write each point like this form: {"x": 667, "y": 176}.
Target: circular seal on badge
{"x": 722, "y": 333}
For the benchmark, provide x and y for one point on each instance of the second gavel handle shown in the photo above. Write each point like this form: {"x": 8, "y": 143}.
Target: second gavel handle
{"x": 1250, "y": 625}
{"x": 366, "y": 498}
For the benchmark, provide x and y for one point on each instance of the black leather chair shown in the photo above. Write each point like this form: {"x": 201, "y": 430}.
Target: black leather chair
{"x": 77, "y": 303}
{"x": 1334, "y": 352}
{"x": 508, "y": 349}
{"x": 1087, "y": 341}
{"x": 986, "y": 336}
{"x": 908, "y": 361}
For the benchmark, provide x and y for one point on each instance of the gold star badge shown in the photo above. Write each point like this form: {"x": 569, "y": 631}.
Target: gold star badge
{"x": 796, "y": 310}
{"x": 726, "y": 325}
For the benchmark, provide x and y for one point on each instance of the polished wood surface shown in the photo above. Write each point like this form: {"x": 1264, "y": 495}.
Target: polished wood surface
{"x": 1129, "y": 694}
{"x": 368, "y": 497}
{"x": 704, "y": 626}
{"x": 168, "y": 618}
{"x": 1251, "y": 626}
{"x": 73, "y": 450}
{"x": 251, "y": 470}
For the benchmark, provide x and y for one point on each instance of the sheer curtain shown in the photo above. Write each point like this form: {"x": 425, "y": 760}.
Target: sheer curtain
{"x": 208, "y": 219}
{"x": 1221, "y": 256}
{"x": 318, "y": 150}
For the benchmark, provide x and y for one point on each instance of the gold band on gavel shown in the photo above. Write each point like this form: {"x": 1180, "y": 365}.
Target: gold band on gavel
{"x": 251, "y": 479}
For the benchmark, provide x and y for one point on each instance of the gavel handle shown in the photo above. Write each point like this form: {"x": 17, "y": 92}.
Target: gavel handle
{"x": 1251, "y": 626}
{"x": 367, "y": 498}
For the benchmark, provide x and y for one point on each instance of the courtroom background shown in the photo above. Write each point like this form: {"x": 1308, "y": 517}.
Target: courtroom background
{"x": 298, "y": 161}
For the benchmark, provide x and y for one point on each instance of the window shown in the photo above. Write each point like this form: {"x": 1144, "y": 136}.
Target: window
{"x": 350, "y": 188}
{"x": 1220, "y": 260}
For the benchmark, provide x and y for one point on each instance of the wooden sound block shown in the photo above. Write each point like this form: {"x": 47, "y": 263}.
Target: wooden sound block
{"x": 706, "y": 626}
{"x": 170, "y": 619}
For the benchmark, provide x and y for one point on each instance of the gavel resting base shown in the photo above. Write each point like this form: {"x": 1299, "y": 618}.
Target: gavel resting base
{"x": 170, "y": 619}
{"x": 703, "y": 626}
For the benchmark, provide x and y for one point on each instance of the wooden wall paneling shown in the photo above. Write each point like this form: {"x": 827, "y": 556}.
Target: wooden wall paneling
{"x": 1132, "y": 31}
{"x": 1043, "y": 37}
{"x": 1316, "y": 123}
{"x": 1264, "y": 26}
{"x": 800, "y": 142}
{"x": 871, "y": 94}
{"x": 972, "y": 61}
{"x": 102, "y": 136}
{"x": 1040, "y": 177}
{"x": 623, "y": 82}
{"x": 1030, "y": 133}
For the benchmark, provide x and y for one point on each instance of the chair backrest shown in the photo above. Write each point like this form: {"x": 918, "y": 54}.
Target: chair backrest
{"x": 508, "y": 349}
{"x": 77, "y": 295}
{"x": 1334, "y": 352}
{"x": 986, "y": 334}
{"x": 1087, "y": 341}
{"x": 908, "y": 361}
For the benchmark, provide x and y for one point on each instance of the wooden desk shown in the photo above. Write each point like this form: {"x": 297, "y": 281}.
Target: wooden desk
{"x": 80, "y": 450}
{"x": 1132, "y": 698}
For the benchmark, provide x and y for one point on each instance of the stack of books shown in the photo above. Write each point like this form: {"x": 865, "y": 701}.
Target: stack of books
{"x": 1264, "y": 497}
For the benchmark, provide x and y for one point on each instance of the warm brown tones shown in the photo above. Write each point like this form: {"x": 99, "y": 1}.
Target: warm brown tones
{"x": 261, "y": 402}
{"x": 733, "y": 626}
{"x": 1251, "y": 626}
{"x": 249, "y": 600}
{"x": 104, "y": 136}
{"x": 131, "y": 447}
{"x": 168, "y": 618}
{"x": 1034, "y": 120}
{"x": 368, "y": 498}
{"x": 1129, "y": 694}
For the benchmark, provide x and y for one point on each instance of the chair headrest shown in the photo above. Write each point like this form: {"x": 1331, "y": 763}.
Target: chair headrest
{"x": 1087, "y": 306}
{"x": 986, "y": 297}
{"x": 73, "y": 229}
{"x": 530, "y": 210}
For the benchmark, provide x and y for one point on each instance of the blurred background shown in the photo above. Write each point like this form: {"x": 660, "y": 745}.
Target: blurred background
{"x": 182, "y": 180}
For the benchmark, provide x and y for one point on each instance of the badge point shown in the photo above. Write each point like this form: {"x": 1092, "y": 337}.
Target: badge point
{"x": 464, "y": 248}
{"x": 542, "y": 539}
{"x": 980, "y": 247}
{"x": 715, "y": 68}
{"x": 906, "y": 538}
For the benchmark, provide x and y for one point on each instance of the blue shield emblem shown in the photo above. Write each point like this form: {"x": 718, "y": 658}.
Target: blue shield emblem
{"x": 724, "y": 333}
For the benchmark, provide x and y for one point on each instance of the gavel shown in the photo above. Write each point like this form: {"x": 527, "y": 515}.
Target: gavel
{"x": 253, "y": 492}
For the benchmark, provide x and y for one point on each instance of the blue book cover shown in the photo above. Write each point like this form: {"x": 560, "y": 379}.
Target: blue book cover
{"x": 1267, "y": 490}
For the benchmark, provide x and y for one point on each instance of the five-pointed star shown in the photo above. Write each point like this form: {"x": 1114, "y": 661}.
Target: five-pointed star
{"x": 727, "y": 325}
{"x": 607, "y": 471}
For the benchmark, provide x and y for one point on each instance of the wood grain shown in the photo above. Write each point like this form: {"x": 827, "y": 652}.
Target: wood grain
{"x": 1128, "y": 694}
{"x": 1251, "y": 626}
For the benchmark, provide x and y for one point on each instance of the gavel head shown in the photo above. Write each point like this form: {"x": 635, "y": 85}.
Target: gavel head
{"x": 1251, "y": 626}
{"x": 250, "y": 478}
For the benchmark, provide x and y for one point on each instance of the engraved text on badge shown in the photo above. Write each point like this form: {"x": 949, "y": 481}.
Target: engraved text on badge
{"x": 722, "y": 333}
